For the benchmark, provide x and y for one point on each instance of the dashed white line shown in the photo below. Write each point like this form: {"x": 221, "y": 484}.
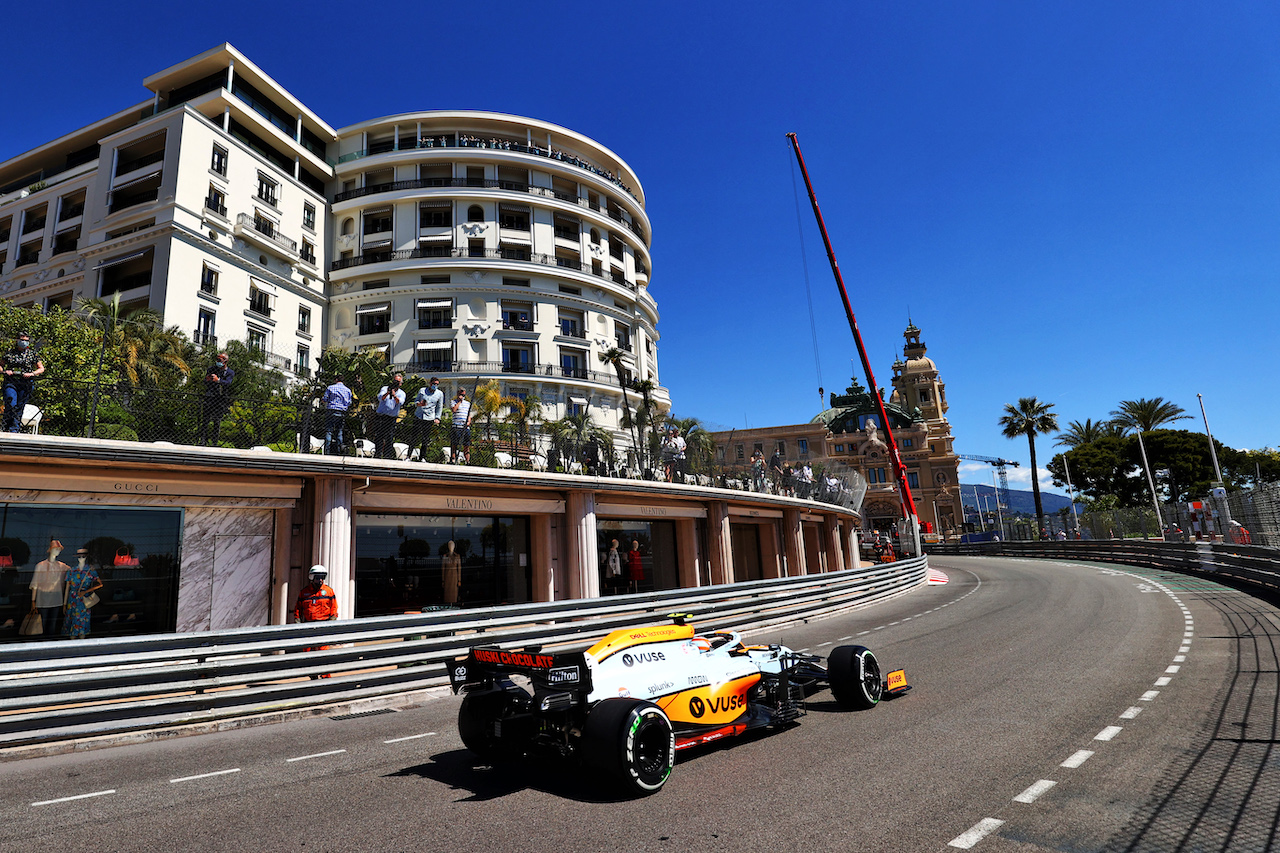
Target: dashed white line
{"x": 1130, "y": 713}
{"x": 1108, "y": 733}
{"x": 1034, "y": 792}
{"x": 205, "y": 775}
{"x": 1172, "y": 669}
{"x": 1148, "y": 696}
{"x": 316, "y": 755}
{"x": 976, "y": 833}
{"x": 1077, "y": 758}
{"x": 860, "y": 633}
{"x": 1179, "y": 658}
{"x": 820, "y": 645}
{"x": 76, "y": 797}
{"x": 1163, "y": 681}
{"x": 842, "y": 639}
{"x": 1184, "y": 648}
{"x": 409, "y": 737}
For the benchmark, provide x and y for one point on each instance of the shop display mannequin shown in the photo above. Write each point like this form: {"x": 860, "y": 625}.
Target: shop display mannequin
{"x": 451, "y": 574}
{"x": 80, "y": 581}
{"x": 47, "y": 588}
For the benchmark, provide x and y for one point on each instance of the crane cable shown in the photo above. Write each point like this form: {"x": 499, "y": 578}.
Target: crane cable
{"x": 808, "y": 290}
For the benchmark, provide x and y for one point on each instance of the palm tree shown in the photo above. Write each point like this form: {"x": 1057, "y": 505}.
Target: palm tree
{"x": 1030, "y": 417}
{"x": 521, "y": 412}
{"x": 1079, "y": 434}
{"x": 487, "y": 403}
{"x": 613, "y": 356}
{"x": 142, "y": 350}
{"x": 570, "y": 433}
{"x": 1145, "y": 415}
{"x": 699, "y": 446}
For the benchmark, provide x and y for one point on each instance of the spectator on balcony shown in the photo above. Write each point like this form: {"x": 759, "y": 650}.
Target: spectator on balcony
{"x": 385, "y": 414}
{"x": 427, "y": 410}
{"x": 336, "y": 400}
{"x": 775, "y": 471}
{"x": 21, "y": 367}
{"x": 460, "y": 432}
{"x": 216, "y": 399}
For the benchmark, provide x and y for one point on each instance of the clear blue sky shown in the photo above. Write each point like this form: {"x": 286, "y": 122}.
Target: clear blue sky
{"x": 1075, "y": 201}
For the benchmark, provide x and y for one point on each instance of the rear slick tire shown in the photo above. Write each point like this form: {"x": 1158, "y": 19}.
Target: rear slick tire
{"x": 854, "y": 675}
{"x": 476, "y": 717}
{"x": 631, "y": 743}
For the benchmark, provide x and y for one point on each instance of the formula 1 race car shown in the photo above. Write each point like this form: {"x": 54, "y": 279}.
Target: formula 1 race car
{"x": 625, "y": 706}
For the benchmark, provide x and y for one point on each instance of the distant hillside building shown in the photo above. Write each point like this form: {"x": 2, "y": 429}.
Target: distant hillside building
{"x": 849, "y": 433}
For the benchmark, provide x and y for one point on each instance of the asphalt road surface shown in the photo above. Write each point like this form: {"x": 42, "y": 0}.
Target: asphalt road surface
{"x": 1056, "y": 706}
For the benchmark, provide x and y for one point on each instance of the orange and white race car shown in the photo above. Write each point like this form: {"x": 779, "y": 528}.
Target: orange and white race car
{"x": 628, "y": 704}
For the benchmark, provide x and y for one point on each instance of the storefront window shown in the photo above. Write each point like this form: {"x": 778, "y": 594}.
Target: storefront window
{"x": 657, "y": 562}
{"x": 407, "y": 562}
{"x": 133, "y": 552}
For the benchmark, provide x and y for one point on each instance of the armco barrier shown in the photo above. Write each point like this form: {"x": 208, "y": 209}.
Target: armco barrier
{"x": 52, "y": 691}
{"x": 1249, "y": 566}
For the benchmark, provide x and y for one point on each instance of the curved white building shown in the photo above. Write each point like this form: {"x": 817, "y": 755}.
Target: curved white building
{"x": 474, "y": 245}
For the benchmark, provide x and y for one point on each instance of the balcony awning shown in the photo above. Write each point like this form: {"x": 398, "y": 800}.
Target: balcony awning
{"x": 434, "y": 345}
{"x": 148, "y": 176}
{"x": 515, "y": 208}
{"x": 580, "y": 401}
{"x": 374, "y": 309}
{"x": 444, "y": 203}
{"x": 435, "y": 303}
{"x": 375, "y": 244}
{"x": 121, "y": 260}
{"x": 383, "y": 209}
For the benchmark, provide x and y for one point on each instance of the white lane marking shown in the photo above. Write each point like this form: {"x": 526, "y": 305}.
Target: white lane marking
{"x": 891, "y": 624}
{"x": 842, "y": 639}
{"x": 976, "y": 833}
{"x": 1034, "y": 792}
{"x": 802, "y": 651}
{"x": 410, "y": 737}
{"x": 860, "y": 633}
{"x": 1172, "y": 669}
{"x": 1184, "y": 648}
{"x": 205, "y": 775}
{"x": 1148, "y": 696}
{"x": 820, "y": 645}
{"x": 1163, "y": 681}
{"x": 1179, "y": 658}
{"x": 880, "y": 627}
{"x": 1108, "y": 733}
{"x": 1130, "y": 713}
{"x": 1077, "y": 758}
{"x": 76, "y": 797}
{"x": 315, "y": 755}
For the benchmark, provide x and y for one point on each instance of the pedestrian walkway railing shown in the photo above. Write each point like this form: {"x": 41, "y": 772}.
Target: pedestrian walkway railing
{"x": 1251, "y": 566}
{"x": 68, "y": 689}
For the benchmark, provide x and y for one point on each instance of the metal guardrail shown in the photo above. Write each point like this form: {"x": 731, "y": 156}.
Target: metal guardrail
{"x": 51, "y": 691}
{"x": 1249, "y": 565}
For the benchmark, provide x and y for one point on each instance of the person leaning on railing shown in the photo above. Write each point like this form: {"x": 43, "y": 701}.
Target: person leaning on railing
{"x": 21, "y": 367}
{"x": 337, "y": 399}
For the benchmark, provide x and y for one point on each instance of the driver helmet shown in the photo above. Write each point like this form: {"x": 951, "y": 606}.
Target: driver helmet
{"x": 318, "y": 573}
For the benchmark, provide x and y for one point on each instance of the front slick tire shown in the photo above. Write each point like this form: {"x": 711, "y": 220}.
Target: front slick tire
{"x": 854, "y": 675}
{"x": 631, "y": 743}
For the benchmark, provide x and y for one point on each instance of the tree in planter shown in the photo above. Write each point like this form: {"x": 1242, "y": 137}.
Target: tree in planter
{"x": 68, "y": 347}
{"x": 521, "y": 413}
{"x": 572, "y": 432}
{"x": 1030, "y": 417}
{"x": 613, "y": 356}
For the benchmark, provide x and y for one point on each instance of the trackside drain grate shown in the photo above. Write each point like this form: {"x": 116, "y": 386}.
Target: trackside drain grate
{"x": 357, "y": 714}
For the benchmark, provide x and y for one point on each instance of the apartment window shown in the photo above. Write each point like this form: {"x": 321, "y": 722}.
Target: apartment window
{"x": 70, "y": 207}
{"x": 517, "y": 359}
{"x": 377, "y": 221}
{"x": 257, "y": 339}
{"x": 435, "y": 313}
{"x": 66, "y": 241}
{"x": 304, "y": 361}
{"x": 376, "y": 285}
{"x": 475, "y": 248}
{"x": 436, "y": 174}
{"x": 304, "y": 319}
{"x": 216, "y": 201}
{"x": 435, "y": 214}
{"x": 572, "y": 325}
{"x": 309, "y": 215}
{"x": 622, "y": 335}
{"x": 205, "y": 328}
{"x": 434, "y": 356}
{"x": 567, "y": 228}
{"x": 28, "y": 253}
{"x": 6, "y": 228}
{"x": 515, "y": 282}
{"x": 913, "y": 479}
{"x": 595, "y": 237}
{"x": 573, "y": 363}
{"x": 435, "y": 279}
{"x": 572, "y": 291}
{"x": 219, "y": 164}
{"x": 781, "y": 447}
{"x": 615, "y": 246}
{"x": 514, "y": 252}
{"x": 308, "y": 252}
{"x": 475, "y": 213}
{"x": 259, "y": 301}
{"x": 576, "y": 406}
{"x": 802, "y": 445}
{"x": 513, "y": 217}
{"x": 517, "y": 317}
{"x": 268, "y": 190}
{"x": 140, "y": 153}
{"x": 908, "y": 442}
{"x": 924, "y": 396}
{"x": 740, "y": 453}
{"x": 839, "y": 448}
{"x": 126, "y": 273}
{"x": 374, "y": 319}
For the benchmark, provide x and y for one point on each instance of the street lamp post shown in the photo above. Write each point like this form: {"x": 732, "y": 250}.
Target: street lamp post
{"x": 1146, "y": 469}
{"x": 1221, "y": 510}
{"x": 1071, "y": 492}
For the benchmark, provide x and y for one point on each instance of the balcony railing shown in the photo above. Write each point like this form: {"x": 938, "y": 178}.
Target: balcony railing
{"x": 463, "y": 141}
{"x": 572, "y": 330}
{"x": 216, "y": 206}
{"x": 382, "y": 257}
{"x": 124, "y": 167}
{"x": 267, "y": 230}
{"x": 424, "y": 323}
{"x": 625, "y": 346}
{"x": 564, "y": 232}
{"x": 205, "y": 338}
{"x": 71, "y": 211}
{"x": 34, "y": 224}
{"x": 308, "y": 255}
{"x": 517, "y": 325}
{"x": 26, "y": 258}
{"x": 476, "y": 183}
{"x": 482, "y": 368}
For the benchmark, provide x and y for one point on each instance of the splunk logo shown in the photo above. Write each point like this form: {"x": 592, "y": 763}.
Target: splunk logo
{"x": 642, "y": 657}
{"x": 717, "y": 704}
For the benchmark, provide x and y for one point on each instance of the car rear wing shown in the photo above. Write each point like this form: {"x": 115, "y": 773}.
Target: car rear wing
{"x": 485, "y": 664}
